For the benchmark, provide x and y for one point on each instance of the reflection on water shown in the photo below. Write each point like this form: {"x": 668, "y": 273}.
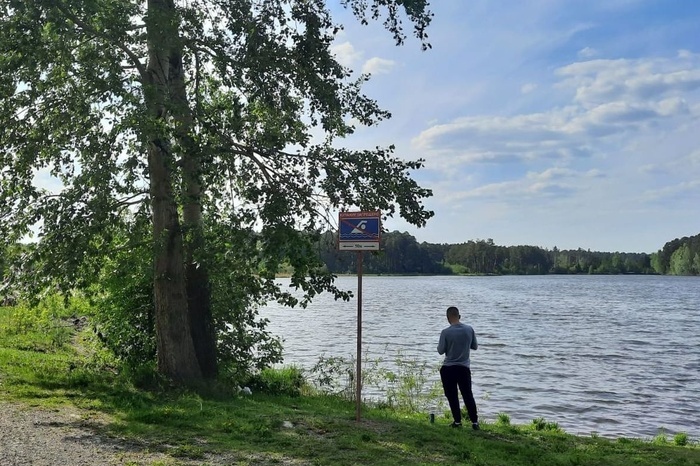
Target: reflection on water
{"x": 617, "y": 355}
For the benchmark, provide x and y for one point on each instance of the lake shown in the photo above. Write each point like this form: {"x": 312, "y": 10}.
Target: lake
{"x": 616, "y": 355}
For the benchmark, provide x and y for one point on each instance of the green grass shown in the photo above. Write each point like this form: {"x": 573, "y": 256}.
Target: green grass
{"x": 276, "y": 429}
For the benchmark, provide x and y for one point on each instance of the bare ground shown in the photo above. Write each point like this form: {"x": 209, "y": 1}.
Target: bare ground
{"x": 66, "y": 436}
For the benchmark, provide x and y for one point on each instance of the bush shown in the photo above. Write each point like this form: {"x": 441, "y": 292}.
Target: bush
{"x": 680, "y": 439}
{"x": 541, "y": 424}
{"x": 288, "y": 381}
{"x": 54, "y": 317}
{"x": 503, "y": 419}
{"x": 660, "y": 439}
{"x": 125, "y": 316}
{"x": 408, "y": 388}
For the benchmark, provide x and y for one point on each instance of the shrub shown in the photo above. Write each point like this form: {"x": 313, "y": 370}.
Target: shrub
{"x": 408, "y": 387}
{"x": 541, "y": 424}
{"x": 660, "y": 439}
{"x": 288, "y": 381}
{"x": 503, "y": 419}
{"x": 680, "y": 439}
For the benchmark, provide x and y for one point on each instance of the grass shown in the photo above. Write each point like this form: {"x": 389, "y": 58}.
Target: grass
{"x": 267, "y": 429}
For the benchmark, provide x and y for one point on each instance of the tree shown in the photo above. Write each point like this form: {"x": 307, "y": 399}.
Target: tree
{"x": 681, "y": 261}
{"x": 195, "y": 117}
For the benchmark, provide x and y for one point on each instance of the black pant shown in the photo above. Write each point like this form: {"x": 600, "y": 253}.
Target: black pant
{"x": 458, "y": 376}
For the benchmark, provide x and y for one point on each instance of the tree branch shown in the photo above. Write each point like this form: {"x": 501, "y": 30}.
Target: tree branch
{"x": 90, "y": 30}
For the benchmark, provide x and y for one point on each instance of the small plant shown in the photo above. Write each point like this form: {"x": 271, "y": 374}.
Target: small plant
{"x": 408, "y": 386}
{"x": 660, "y": 438}
{"x": 188, "y": 451}
{"x": 541, "y": 424}
{"x": 680, "y": 439}
{"x": 503, "y": 419}
{"x": 334, "y": 375}
{"x": 288, "y": 381}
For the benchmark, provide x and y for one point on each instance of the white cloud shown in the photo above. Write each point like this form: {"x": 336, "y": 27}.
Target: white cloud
{"x": 609, "y": 100}
{"x": 600, "y": 81}
{"x": 376, "y": 65}
{"x": 552, "y": 183}
{"x": 346, "y": 54}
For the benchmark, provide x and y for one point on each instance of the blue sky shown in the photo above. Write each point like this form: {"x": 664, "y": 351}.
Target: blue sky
{"x": 565, "y": 123}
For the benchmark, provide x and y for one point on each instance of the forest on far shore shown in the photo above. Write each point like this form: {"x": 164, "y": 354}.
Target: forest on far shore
{"x": 401, "y": 253}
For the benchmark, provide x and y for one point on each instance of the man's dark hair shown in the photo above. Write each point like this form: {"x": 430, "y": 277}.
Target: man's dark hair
{"x": 453, "y": 312}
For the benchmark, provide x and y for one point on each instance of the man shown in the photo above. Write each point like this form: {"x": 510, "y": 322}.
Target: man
{"x": 455, "y": 343}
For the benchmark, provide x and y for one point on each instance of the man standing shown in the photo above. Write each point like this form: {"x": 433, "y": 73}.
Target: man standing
{"x": 455, "y": 343}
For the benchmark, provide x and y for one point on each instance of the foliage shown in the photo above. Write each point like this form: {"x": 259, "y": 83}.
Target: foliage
{"x": 660, "y": 438}
{"x": 680, "y": 439}
{"x": 54, "y": 317}
{"x": 399, "y": 253}
{"x": 125, "y": 312}
{"x": 503, "y": 419}
{"x": 334, "y": 375}
{"x": 680, "y": 256}
{"x": 541, "y": 423}
{"x": 404, "y": 382}
{"x": 402, "y": 254}
{"x": 287, "y": 381}
{"x": 199, "y": 121}
{"x": 408, "y": 387}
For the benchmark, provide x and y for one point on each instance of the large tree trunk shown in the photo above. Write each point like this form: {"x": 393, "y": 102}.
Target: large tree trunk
{"x": 198, "y": 289}
{"x": 176, "y": 354}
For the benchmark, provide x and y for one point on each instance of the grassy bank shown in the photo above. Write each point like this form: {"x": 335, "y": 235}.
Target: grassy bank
{"x": 60, "y": 365}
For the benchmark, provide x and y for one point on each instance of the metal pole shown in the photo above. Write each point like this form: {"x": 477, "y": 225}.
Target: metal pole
{"x": 358, "y": 375}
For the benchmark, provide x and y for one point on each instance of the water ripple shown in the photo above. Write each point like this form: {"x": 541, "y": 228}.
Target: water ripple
{"x": 616, "y": 355}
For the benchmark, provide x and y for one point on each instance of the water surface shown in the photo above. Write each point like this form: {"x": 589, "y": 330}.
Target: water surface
{"x": 616, "y": 355}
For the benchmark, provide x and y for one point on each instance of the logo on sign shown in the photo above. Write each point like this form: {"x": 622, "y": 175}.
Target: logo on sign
{"x": 359, "y": 231}
{"x": 356, "y": 229}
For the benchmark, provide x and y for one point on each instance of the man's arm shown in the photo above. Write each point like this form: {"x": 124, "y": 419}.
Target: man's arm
{"x": 441, "y": 344}
{"x": 474, "y": 344}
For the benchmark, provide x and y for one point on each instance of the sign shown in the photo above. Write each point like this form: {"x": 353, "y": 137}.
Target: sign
{"x": 359, "y": 231}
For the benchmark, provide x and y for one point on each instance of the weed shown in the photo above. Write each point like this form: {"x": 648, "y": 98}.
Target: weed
{"x": 187, "y": 451}
{"x": 406, "y": 384}
{"x": 541, "y": 424}
{"x": 680, "y": 439}
{"x": 660, "y": 439}
{"x": 503, "y": 419}
{"x": 288, "y": 381}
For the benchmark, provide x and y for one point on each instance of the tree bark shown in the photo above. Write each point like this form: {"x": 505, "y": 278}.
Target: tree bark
{"x": 197, "y": 276}
{"x": 176, "y": 354}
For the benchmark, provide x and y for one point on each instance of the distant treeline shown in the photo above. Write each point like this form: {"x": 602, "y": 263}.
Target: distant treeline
{"x": 402, "y": 254}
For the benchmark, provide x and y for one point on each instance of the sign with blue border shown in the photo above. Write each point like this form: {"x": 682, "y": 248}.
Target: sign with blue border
{"x": 359, "y": 231}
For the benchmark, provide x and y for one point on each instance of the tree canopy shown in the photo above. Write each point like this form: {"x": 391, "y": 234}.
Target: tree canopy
{"x": 179, "y": 140}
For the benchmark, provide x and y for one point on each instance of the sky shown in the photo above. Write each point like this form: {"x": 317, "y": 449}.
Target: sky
{"x": 554, "y": 123}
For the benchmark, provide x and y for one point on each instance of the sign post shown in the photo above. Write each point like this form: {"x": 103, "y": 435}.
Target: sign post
{"x": 359, "y": 231}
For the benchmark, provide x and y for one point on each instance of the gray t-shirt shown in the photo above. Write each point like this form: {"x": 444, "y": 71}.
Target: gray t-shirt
{"x": 455, "y": 343}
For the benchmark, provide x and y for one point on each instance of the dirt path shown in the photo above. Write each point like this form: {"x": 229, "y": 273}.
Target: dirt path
{"x": 40, "y": 437}
{"x": 70, "y": 437}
